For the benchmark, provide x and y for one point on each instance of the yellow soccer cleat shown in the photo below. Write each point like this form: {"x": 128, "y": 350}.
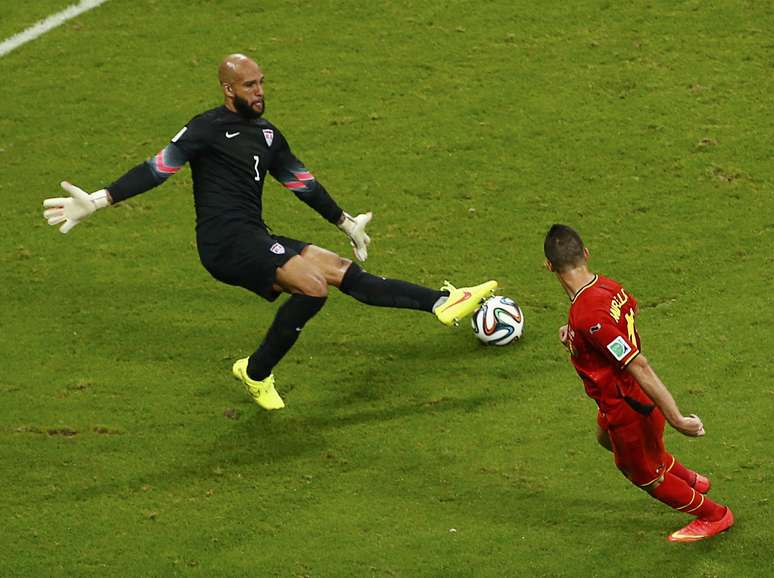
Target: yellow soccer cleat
{"x": 263, "y": 391}
{"x": 462, "y": 302}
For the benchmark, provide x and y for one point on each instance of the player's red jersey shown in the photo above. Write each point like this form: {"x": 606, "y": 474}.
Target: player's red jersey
{"x": 603, "y": 340}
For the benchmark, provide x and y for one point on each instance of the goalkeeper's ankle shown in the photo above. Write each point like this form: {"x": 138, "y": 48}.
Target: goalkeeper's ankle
{"x": 255, "y": 369}
{"x": 441, "y": 300}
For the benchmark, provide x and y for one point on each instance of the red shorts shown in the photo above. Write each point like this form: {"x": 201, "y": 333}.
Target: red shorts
{"x": 638, "y": 446}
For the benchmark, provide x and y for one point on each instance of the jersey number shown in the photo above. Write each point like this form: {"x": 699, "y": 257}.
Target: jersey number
{"x": 630, "y": 327}
{"x": 257, "y": 174}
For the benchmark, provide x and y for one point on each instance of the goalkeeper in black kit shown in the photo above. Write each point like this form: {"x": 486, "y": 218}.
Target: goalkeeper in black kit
{"x": 231, "y": 150}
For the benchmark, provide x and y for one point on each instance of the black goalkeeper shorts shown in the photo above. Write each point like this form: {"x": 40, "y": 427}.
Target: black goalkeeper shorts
{"x": 249, "y": 259}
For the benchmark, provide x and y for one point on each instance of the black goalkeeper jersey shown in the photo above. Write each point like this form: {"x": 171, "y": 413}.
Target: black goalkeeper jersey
{"x": 230, "y": 157}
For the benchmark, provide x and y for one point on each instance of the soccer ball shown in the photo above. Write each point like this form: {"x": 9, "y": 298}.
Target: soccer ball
{"x": 499, "y": 321}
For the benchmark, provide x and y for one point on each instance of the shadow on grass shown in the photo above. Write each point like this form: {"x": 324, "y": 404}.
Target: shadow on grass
{"x": 375, "y": 373}
{"x": 259, "y": 440}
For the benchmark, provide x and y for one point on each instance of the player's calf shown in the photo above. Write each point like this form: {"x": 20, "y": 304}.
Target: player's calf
{"x": 383, "y": 292}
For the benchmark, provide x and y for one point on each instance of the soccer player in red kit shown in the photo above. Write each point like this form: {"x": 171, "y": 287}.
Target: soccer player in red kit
{"x": 633, "y": 403}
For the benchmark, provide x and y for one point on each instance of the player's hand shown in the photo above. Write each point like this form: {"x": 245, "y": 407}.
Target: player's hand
{"x": 564, "y": 334}
{"x": 690, "y": 426}
{"x": 354, "y": 227}
{"x": 75, "y": 208}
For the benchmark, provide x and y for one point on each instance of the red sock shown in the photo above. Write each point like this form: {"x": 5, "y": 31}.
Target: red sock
{"x": 679, "y": 470}
{"x": 676, "y": 493}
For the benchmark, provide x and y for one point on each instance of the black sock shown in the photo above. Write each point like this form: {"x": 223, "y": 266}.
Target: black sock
{"x": 282, "y": 334}
{"x": 374, "y": 290}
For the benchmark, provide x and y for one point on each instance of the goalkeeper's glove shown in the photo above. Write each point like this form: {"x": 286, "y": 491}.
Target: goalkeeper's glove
{"x": 74, "y": 209}
{"x": 354, "y": 227}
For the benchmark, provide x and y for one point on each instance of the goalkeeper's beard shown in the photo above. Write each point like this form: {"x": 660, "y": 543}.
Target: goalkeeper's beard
{"x": 243, "y": 107}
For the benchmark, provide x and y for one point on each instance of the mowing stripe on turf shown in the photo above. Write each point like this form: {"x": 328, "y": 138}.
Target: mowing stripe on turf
{"x": 43, "y": 26}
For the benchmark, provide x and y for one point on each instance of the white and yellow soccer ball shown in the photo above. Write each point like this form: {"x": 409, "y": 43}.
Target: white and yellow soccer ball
{"x": 499, "y": 321}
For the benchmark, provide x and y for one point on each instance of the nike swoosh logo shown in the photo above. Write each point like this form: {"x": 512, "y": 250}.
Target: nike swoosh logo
{"x": 465, "y": 296}
{"x": 688, "y": 537}
{"x": 231, "y": 134}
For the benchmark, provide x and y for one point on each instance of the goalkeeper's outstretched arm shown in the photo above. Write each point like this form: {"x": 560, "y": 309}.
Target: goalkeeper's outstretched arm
{"x": 80, "y": 205}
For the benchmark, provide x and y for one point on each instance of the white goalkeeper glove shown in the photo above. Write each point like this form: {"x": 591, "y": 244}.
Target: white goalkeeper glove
{"x": 74, "y": 209}
{"x": 354, "y": 227}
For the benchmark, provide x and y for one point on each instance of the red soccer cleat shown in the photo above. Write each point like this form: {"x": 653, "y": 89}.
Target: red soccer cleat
{"x": 701, "y": 483}
{"x": 700, "y": 529}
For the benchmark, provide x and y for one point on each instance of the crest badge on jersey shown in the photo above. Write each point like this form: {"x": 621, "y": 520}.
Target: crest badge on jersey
{"x": 277, "y": 249}
{"x": 268, "y": 134}
{"x": 619, "y": 348}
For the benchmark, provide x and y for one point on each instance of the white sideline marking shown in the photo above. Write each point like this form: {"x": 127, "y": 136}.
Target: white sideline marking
{"x": 43, "y": 26}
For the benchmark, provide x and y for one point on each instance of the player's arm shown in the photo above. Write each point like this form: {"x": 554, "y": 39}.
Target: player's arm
{"x": 564, "y": 335}
{"x": 293, "y": 175}
{"x": 80, "y": 205}
{"x": 621, "y": 349}
{"x": 642, "y": 371}
{"x": 149, "y": 174}
{"x": 185, "y": 145}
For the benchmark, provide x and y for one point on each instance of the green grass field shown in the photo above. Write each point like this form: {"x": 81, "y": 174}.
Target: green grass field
{"x": 406, "y": 449}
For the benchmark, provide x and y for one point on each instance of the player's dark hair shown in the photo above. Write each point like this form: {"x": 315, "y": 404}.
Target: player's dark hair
{"x": 563, "y": 247}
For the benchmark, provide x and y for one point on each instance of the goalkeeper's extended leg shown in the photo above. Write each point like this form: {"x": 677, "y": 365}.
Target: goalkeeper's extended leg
{"x": 449, "y": 304}
{"x": 383, "y": 292}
